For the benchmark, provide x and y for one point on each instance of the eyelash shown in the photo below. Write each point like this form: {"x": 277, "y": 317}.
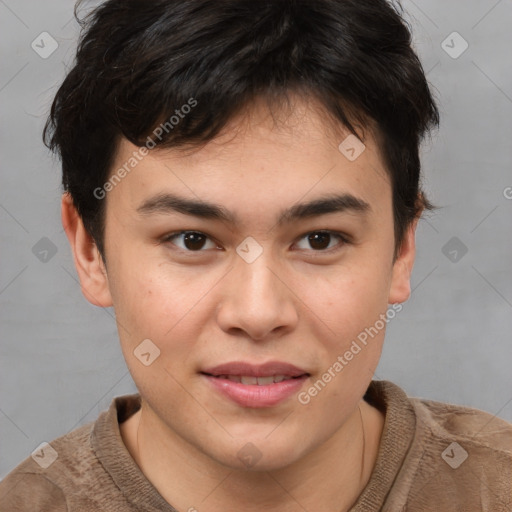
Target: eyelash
{"x": 342, "y": 237}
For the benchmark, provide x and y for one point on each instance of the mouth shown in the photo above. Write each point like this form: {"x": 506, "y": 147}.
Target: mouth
{"x": 249, "y": 380}
{"x": 252, "y": 385}
{"x": 256, "y": 374}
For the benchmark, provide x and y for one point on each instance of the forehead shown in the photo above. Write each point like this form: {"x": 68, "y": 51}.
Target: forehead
{"x": 298, "y": 121}
{"x": 261, "y": 157}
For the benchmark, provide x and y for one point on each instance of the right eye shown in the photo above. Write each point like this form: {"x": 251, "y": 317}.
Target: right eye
{"x": 191, "y": 241}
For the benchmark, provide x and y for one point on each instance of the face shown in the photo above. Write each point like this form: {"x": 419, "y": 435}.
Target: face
{"x": 268, "y": 251}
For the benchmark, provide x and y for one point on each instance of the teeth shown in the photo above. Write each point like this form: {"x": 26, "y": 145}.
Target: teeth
{"x": 259, "y": 381}
{"x": 248, "y": 380}
{"x": 265, "y": 381}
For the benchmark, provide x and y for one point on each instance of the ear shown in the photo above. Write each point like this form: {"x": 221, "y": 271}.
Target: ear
{"x": 400, "y": 289}
{"x": 88, "y": 262}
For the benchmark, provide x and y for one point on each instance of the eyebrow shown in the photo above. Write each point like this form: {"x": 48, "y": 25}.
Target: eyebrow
{"x": 165, "y": 203}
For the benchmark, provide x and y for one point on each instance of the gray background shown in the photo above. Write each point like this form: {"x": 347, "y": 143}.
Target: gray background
{"x": 60, "y": 358}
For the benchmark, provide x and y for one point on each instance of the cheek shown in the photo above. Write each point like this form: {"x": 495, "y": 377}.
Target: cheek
{"x": 354, "y": 309}
{"x": 162, "y": 305}
{"x": 348, "y": 302}
{"x": 353, "y": 306}
{"x": 158, "y": 330}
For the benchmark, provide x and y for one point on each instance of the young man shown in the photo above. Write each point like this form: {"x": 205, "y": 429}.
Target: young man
{"x": 242, "y": 186}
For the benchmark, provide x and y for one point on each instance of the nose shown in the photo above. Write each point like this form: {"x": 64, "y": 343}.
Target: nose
{"x": 257, "y": 300}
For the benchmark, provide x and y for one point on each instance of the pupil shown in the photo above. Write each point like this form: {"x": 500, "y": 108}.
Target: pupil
{"x": 194, "y": 241}
{"x": 319, "y": 240}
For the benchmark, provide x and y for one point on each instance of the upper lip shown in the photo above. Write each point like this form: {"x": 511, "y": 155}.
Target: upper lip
{"x": 268, "y": 369}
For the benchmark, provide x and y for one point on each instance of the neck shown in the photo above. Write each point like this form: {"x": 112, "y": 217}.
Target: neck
{"x": 338, "y": 469}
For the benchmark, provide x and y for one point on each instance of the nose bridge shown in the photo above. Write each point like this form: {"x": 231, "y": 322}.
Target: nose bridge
{"x": 256, "y": 300}
{"x": 256, "y": 282}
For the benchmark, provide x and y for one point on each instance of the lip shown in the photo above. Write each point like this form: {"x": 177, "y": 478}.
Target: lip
{"x": 251, "y": 395}
{"x": 255, "y": 396}
{"x": 256, "y": 370}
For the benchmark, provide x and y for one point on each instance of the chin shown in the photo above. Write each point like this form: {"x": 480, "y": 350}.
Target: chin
{"x": 258, "y": 454}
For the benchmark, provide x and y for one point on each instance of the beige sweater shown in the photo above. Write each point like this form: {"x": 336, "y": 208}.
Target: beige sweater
{"x": 433, "y": 457}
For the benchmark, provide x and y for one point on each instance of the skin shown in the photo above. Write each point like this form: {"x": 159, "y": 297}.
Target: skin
{"x": 295, "y": 303}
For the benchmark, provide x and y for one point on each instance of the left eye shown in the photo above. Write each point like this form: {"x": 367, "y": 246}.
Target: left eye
{"x": 321, "y": 240}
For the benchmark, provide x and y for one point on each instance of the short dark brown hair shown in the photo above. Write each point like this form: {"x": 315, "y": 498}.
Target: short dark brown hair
{"x": 139, "y": 60}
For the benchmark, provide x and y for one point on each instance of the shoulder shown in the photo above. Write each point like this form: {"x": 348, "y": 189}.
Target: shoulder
{"x": 22, "y": 491}
{"x": 52, "y": 472}
{"x": 439, "y": 456}
{"x": 473, "y": 427}
{"x": 460, "y": 456}
{"x": 84, "y": 469}
{"x": 43, "y": 479}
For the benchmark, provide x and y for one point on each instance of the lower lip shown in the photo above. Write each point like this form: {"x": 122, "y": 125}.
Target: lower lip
{"x": 251, "y": 395}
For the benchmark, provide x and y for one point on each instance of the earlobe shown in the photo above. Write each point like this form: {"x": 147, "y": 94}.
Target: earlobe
{"x": 88, "y": 262}
{"x": 400, "y": 289}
